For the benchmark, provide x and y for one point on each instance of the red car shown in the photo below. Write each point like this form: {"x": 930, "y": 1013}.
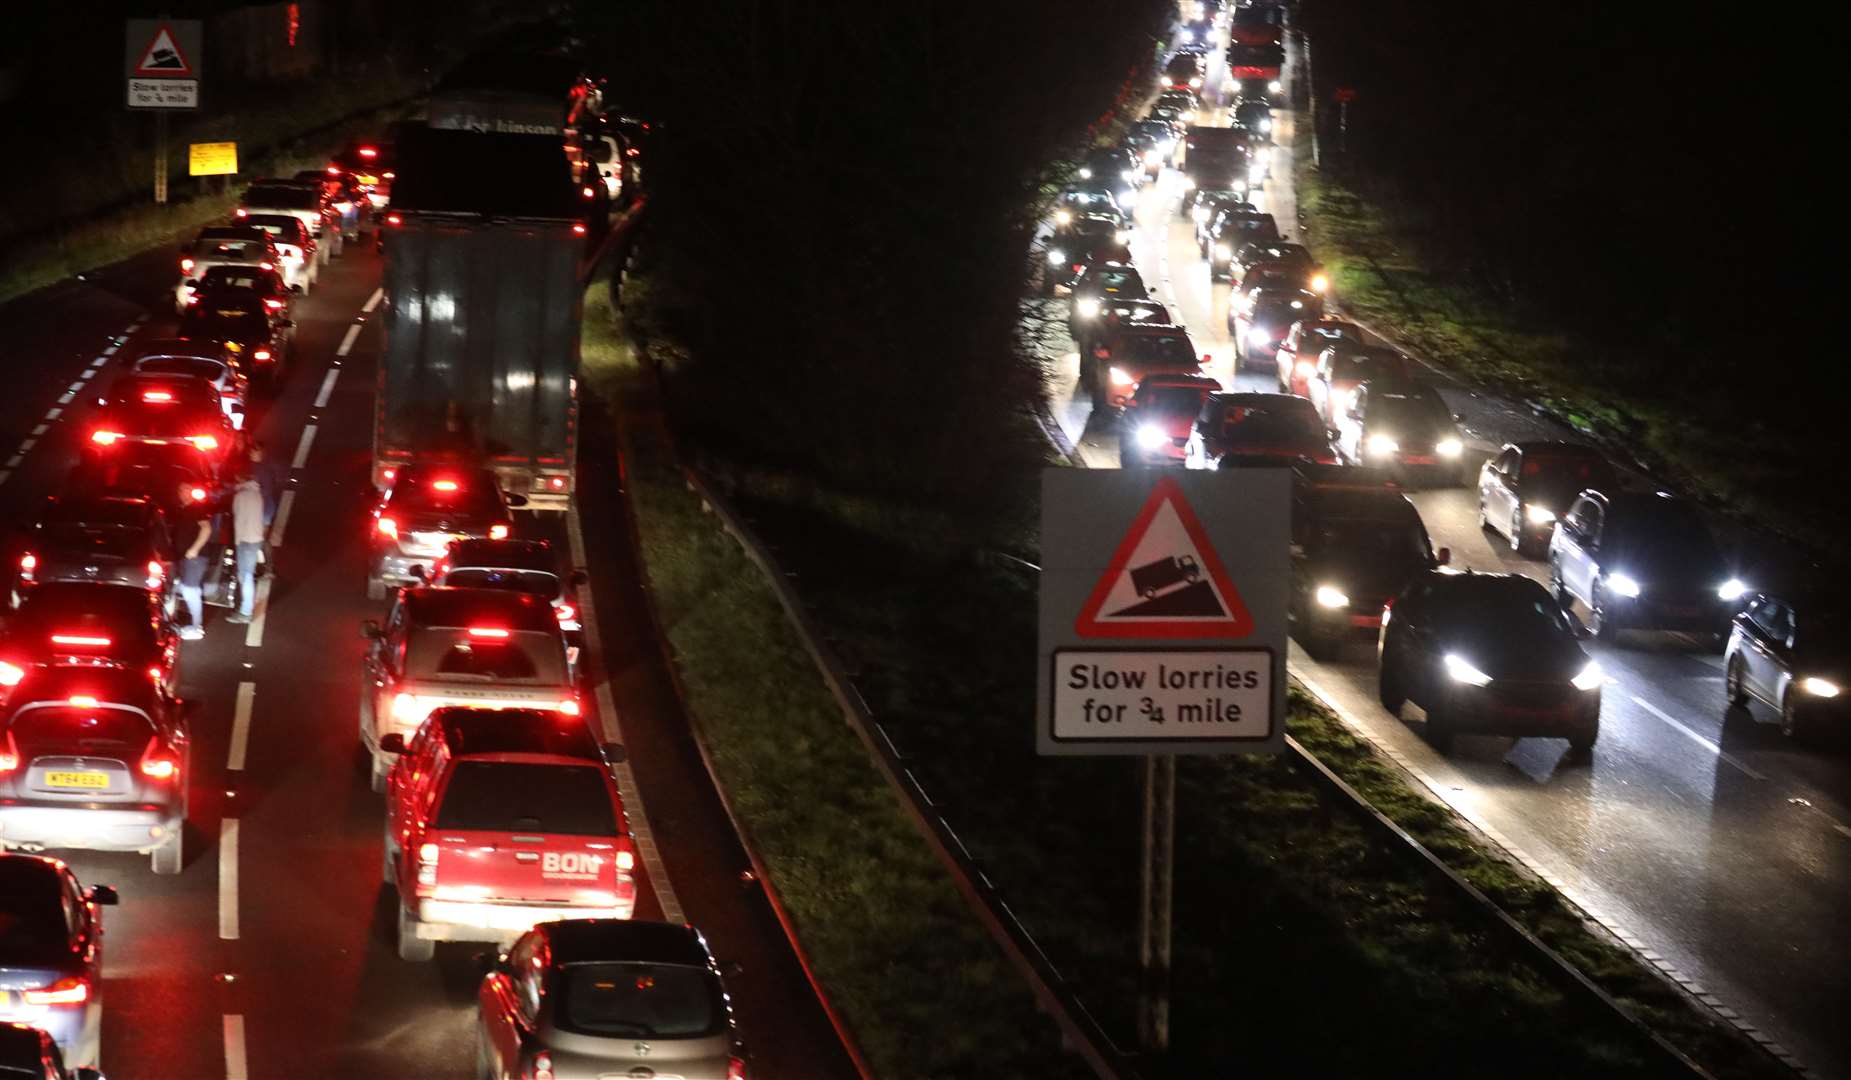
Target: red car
{"x": 497, "y": 821}
{"x": 1298, "y": 353}
{"x": 1156, "y": 425}
{"x": 1126, "y": 355}
{"x": 163, "y": 410}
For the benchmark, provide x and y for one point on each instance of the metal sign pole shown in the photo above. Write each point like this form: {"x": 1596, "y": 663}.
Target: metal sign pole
{"x": 160, "y": 157}
{"x": 1155, "y": 906}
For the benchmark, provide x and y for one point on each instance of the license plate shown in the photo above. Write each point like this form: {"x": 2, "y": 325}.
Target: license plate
{"x": 93, "y": 780}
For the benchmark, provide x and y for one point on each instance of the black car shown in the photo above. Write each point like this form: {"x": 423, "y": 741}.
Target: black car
{"x": 1094, "y": 284}
{"x": 93, "y": 627}
{"x": 1258, "y": 321}
{"x": 1184, "y": 71}
{"x": 1203, "y": 204}
{"x": 1793, "y": 655}
{"x": 1255, "y": 116}
{"x": 1117, "y": 170}
{"x": 1113, "y": 313}
{"x": 1076, "y": 203}
{"x": 1404, "y": 425}
{"x": 1094, "y": 240}
{"x": 1232, "y": 229}
{"x": 1252, "y": 425}
{"x": 1357, "y": 540}
{"x": 1489, "y": 653}
{"x": 1643, "y": 561}
{"x": 51, "y": 953}
{"x": 121, "y": 539}
{"x": 244, "y": 324}
{"x": 29, "y": 1053}
{"x": 1529, "y": 485}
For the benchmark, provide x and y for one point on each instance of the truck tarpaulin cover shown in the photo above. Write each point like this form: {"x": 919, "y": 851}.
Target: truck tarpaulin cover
{"x": 498, "y": 175}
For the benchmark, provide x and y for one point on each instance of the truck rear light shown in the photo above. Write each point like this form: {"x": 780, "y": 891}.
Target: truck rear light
{"x": 73, "y": 990}
{"x": 626, "y": 860}
{"x": 105, "y": 438}
{"x": 9, "y": 756}
{"x": 498, "y": 531}
{"x": 186, "y": 266}
{"x": 11, "y": 674}
{"x": 408, "y": 709}
{"x": 158, "y": 763}
{"x": 388, "y": 527}
{"x": 203, "y": 443}
{"x": 568, "y": 706}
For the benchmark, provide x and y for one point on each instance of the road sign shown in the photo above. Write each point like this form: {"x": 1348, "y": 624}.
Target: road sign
{"x": 163, "y": 93}
{"x": 162, "y": 63}
{"x": 212, "y": 159}
{"x": 1163, "y": 611}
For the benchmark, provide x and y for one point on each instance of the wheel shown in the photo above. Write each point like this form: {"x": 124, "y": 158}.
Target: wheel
{"x": 1439, "y": 729}
{"x": 1790, "y": 724}
{"x": 1388, "y": 687}
{"x": 375, "y": 588}
{"x": 1563, "y": 598}
{"x": 410, "y": 946}
{"x": 1582, "y": 744}
{"x": 168, "y": 857}
{"x": 1734, "y": 691}
{"x": 1603, "y": 628}
{"x": 1516, "y": 532}
{"x": 381, "y": 768}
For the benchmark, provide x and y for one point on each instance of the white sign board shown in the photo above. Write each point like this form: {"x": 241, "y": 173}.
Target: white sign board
{"x": 163, "y": 93}
{"x": 1162, "y": 694}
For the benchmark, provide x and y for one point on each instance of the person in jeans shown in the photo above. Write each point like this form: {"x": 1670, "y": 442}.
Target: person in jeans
{"x": 192, "y": 533}
{"x": 247, "y": 530}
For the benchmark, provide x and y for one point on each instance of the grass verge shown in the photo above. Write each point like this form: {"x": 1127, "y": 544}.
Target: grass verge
{"x": 913, "y": 973}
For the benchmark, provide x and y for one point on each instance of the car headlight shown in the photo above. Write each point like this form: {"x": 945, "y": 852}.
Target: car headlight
{"x": 1256, "y": 172}
{"x": 1331, "y": 597}
{"x": 1151, "y": 436}
{"x": 1123, "y": 236}
{"x": 1085, "y": 173}
{"x": 1223, "y": 253}
{"x": 1319, "y": 283}
{"x": 1086, "y": 307}
{"x": 1120, "y": 377}
{"x": 1539, "y": 515}
{"x": 1304, "y": 369}
{"x": 1461, "y": 671}
{"x": 1449, "y": 448}
{"x": 1382, "y": 445}
{"x": 1819, "y": 687}
{"x": 1621, "y": 585}
{"x": 1056, "y": 255}
{"x": 1731, "y": 589}
{"x": 1266, "y": 125}
{"x": 1275, "y": 87}
{"x": 1188, "y": 183}
{"x": 1590, "y": 677}
{"x": 1200, "y": 214}
{"x": 1259, "y": 338}
{"x": 1152, "y": 156}
{"x": 1063, "y": 217}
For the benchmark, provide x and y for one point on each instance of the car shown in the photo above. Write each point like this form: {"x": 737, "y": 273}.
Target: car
{"x": 1096, "y": 283}
{"x": 1231, "y": 229}
{"x": 244, "y": 325}
{"x": 161, "y": 410}
{"x": 306, "y": 203}
{"x": 1402, "y": 425}
{"x": 118, "y": 539}
{"x": 1093, "y": 240}
{"x": 175, "y": 477}
{"x": 1202, "y": 204}
{"x": 296, "y": 248}
{"x": 29, "y": 1053}
{"x": 51, "y": 953}
{"x": 208, "y": 361}
{"x": 1154, "y": 429}
{"x": 1183, "y": 98}
{"x": 428, "y": 505}
{"x": 1271, "y": 276}
{"x": 266, "y": 284}
{"x": 498, "y": 821}
{"x": 1487, "y": 653}
{"x": 1198, "y": 33}
{"x": 1255, "y": 115}
{"x": 1643, "y": 561}
{"x": 1128, "y": 355}
{"x": 345, "y": 195}
{"x": 221, "y": 246}
{"x": 1184, "y": 71}
{"x": 603, "y": 997}
{"x": 99, "y": 759}
{"x": 1255, "y": 71}
{"x": 1153, "y": 144}
{"x": 1357, "y": 540}
{"x": 1277, "y": 426}
{"x": 1259, "y": 320}
{"x": 1527, "y": 486}
{"x": 1171, "y": 113}
{"x": 601, "y": 148}
{"x": 1101, "y": 317}
{"x": 1281, "y": 257}
{"x": 1116, "y": 169}
{"x": 93, "y": 626}
{"x": 1792, "y": 653}
{"x": 527, "y": 566}
{"x": 1297, "y": 354}
{"x": 369, "y": 162}
{"x": 1078, "y": 202}
{"x": 1341, "y": 369}
{"x": 444, "y": 646}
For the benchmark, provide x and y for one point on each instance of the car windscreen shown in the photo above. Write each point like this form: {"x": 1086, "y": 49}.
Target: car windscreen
{"x": 1504, "y": 615}
{"x": 234, "y": 277}
{"x": 505, "y": 796}
{"x": 283, "y": 198}
{"x": 1156, "y": 350}
{"x": 1563, "y": 477}
{"x": 1121, "y": 280}
{"x": 639, "y": 1001}
{"x": 536, "y": 582}
{"x": 1411, "y": 414}
{"x": 225, "y": 324}
{"x": 32, "y": 927}
{"x": 1255, "y": 427}
{"x": 229, "y": 251}
{"x": 73, "y": 541}
{"x": 1358, "y": 366}
{"x": 285, "y": 229}
{"x": 196, "y": 366}
{"x": 522, "y": 657}
{"x": 1670, "y": 539}
{"x": 1364, "y": 543}
{"x": 89, "y": 732}
{"x": 1155, "y": 401}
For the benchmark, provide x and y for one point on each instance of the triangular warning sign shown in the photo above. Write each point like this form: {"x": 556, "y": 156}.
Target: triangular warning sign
{"x": 1165, "y": 580}
{"x": 163, "y": 57}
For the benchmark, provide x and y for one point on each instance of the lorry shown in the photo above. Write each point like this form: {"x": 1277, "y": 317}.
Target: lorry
{"x": 1215, "y": 158}
{"x": 485, "y": 235}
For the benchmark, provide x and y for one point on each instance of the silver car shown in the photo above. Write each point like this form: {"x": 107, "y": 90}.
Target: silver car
{"x": 585, "y": 999}
{"x": 221, "y": 245}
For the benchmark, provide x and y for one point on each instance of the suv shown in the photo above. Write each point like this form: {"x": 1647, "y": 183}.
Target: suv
{"x": 526, "y": 566}
{"x": 1154, "y": 429}
{"x": 241, "y": 321}
{"x": 222, "y": 245}
{"x": 96, "y": 759}
{"x": 1297, "y": 355}
{"x": 1254, "y": 425}
{"x": 116, "y": 539}
{"x": 1397, "y": 423}
{"x": 1341, "y": 369}
{"x": 1642, "y": 561}
{"x": 1356, "y": 541}
{"x": 484, "y": 648}
{"x": 162, "y": 410}
{"x": 295, "y": 246}
{"x": 427, "y": 507}
{"x": 306, "y": 202}
{"x": 1123, "y": 357}
{"x": 93, "y": 626}
{"x": 498, "y": 821}
{"x": 210, "y": 362}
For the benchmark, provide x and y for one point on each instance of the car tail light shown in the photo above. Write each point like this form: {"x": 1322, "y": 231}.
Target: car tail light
{"x": 28, "y": 564}
{"x": 588, "y": 192}
{"x": 91, "y": 641}
{"x": 632, "y": 151}
{"x": 495, "y": 632}
{"x": 388, "y": 474}
{"x": 242, "y": 212}
{"x": 626, "y": 859}
{"x": 274, "y": 304}
{"x": 261, "y": 354}
{"x": 498, "y": 531}
{"x": 11, "y": 674}
{"x": 334, "y": 170}
{"x": 74, "y": 990}
{"x": 81, "y": 701}
{"x": 159, "y": 763}
{"x": 197, "y": 494}
{"x": 444, "y": 485}
{"x": 203, "y": 443}
{"x": 157, "y": 395}
{"x": 578, "y": 229}
{"x": 541, "y": 1068}
{"x": 267, "y": 266}
{"x": 157, "y": 574}
{"x": 388, "y": 527}
{"x": 191, "y": 297}
{"x": 565, "y": 612}
{"x": 394, "y": 220}
{"x": 568, "y": 706}
{"x": 427, "y": 863}
{"x": 408, "y": 708}
{"x": 557, "y": 483}
{"x": 155, "y": 674}
{"x": 735, "y": 1069}
{"x": 105, "y": 438}
{"x": 186, "y": 266}
{"x": 369, "y": 152}
{"x": 9, "y": 757}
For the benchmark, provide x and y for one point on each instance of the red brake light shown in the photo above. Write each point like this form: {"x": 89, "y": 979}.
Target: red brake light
{"x": 261, "y": 354}
{"x": 389, "y": 474}
{"x": 568, "y": 706}
{"x": 267, "y": 266}
{"x": 557, "y": 483}
{"x": 626, "y": 859}
{"x": 9, "y": 758}
{"x": 444, "y": 485}
{"x": 197, "y": 494}
{"x": 155, "y": 674}
{"x": 394, "y": 219}
{"x": 735, "y": 1069}
{"x": 588, "y": 191}
{"x": 104, "y": 438}
{"x": 578, "y": 230}
{"x": 82, "y": 701}
{"x": 389, "y": 175}
{"x": 242, "y": 212}
{"x": 204, "y": 443}
{"x": 73, "y": 990}
{"x": 11, "y": 674}
{"x": 273, "y": 304}
{"x": 497, "y": 633}
{"x": 369, "y": 152}
{"x": 186, "y": 266}
{"x": 158, "y": 764}
{"x": 87, "y": 640}
{"x": 388, "y": 527}
{"x": 156, "y": 573}
{"x": 498, "y": 532}
{"x": 28, "y": 563}
{"x": 156, "y": 395}
{"x": 334, "y": 170}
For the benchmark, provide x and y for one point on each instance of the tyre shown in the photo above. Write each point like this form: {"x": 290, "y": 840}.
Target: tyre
{"x": 411, "y": 947}
{"x": 1439, "y": 730}
{"x": 1604, "y": 628}
{"x": 1582, "y": 743}
{"x": 381, "y": 768}
{"x": 375, "y": 588}
{"x": 388, "y": 873}
{"x": 1388, "y": 688}
{"x": 168, "y": 858}
{"x": 1790, "y": 723}
{"x": 1563, "y": 598}
{"x": 1516, "y": 533}
{"x": 1734, "y": 690}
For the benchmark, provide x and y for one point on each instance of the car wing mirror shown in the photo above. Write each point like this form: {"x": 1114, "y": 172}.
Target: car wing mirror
{"x": 392, "y": 742}
{"x": 615, "y": 753}
{"x": 371, "y": 630}
{"x": 102, "y": 895}
{"x": 1443, "y": 557}
{"x": 517, "y": 501}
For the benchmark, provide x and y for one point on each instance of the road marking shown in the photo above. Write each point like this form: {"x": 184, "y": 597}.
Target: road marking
{"x": 40, "y": 430}
{"x": 327, "y": 387}
{"x": 111, "y": 351}
{"x": 228, "y": 879}
{"x": 260, "y": 609}
{"x": 235, "y": 1067}
{"x": 87, "y": 374}
{"x": 1695, "y": 737}
{"x": 100, "y": 361}
{"x": 241, "y": 726}
{"x": 54, "y": 413}
{"x": 346, "y": 345}
{"x": 13, "y": 462}
{"x": 373, "y": 300}
{"x": 26, "y": 445}
{"x": 282, "y": 518}
{"x": 640, "y": 832}
{"x": 302, "y": 448}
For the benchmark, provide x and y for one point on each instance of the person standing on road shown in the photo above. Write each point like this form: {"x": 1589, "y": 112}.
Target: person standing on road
{"x": 270, "y": 479}
{"x": 247, "y": 531}
{"x": 192, "y": 534}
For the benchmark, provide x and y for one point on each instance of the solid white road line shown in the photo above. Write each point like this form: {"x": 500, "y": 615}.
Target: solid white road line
{"x": 235, "y": 1066}
{"x": 241, "y": 726}
{"x": 260, "y": 609}
{"x": 302, "y": 448}
{"x": 228, "y": 879}
{"x": 373, "y": 300}
{"x": 282, "y": 518}
{"x": 1695, "y": 737}
{"x": 346, "y": 345}
{"x": 327, "y": 387}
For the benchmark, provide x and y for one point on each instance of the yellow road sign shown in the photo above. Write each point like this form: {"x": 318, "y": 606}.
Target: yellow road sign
{"x": 212, "y": 159}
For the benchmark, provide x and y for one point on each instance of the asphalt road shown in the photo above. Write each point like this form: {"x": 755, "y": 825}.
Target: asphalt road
{"x": 271, "y": 954}
{"x": 1713, "y": 845}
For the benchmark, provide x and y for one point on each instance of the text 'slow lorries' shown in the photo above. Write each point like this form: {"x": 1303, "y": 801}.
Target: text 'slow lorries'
{"x": 485, "y": 235}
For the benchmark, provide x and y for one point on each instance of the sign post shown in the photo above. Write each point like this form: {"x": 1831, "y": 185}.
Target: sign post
{"x": 1162, "y": 632}
{"x": 162, "y": 62}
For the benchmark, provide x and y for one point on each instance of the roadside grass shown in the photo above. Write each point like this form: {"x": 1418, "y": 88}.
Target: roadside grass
{"x": 925, "y": 991}
{"x": 1682, "y": 426}
{"x": 1299, "y": 946}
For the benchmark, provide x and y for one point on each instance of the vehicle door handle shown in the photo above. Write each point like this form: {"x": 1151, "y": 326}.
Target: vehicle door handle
{"x": 526, "y": 856}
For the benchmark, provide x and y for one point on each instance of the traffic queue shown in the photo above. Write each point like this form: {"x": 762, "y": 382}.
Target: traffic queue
{"x": 502, "y": 822}
{"x": 1360, "y": 425}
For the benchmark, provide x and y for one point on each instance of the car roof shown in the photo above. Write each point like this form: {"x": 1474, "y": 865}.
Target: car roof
{"x": 184, "y": 388}
{"x": 1481, "y": 585}
{"x": 1555, "y": 448}
{"x": 1410, "y": 388}
{"x": 451, "y": 608}
{"x": 504, "y": 554}
{"x": 637, "y": 941}
{"x": 91, "y": 597}
{"x": 19, "y": 870}
{"x": 484, "y": 732}
{"x": 109, "y": 686}
{"x": 238, "y": 231}
{"x": 176, "y": 346}
{"x": 19, "y": 1042}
